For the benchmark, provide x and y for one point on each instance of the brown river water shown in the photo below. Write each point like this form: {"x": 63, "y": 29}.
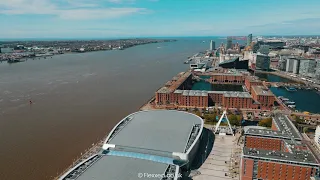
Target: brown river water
{"x": 77, "y": 99}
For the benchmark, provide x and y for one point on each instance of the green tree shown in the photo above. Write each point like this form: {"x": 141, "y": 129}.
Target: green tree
{"x": 210, "y": 118}
{"x": 234, "y": 120}
{"x": 265, "y": 122}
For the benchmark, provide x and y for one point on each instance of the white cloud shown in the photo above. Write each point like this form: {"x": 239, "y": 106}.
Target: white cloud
{"x": 72, "y": 10}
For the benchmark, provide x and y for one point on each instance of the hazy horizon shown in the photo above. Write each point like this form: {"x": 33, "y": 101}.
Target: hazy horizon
{"x": 155, "y": 37}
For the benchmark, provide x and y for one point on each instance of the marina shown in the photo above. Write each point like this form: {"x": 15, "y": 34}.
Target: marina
{"x": 304, "y": 100}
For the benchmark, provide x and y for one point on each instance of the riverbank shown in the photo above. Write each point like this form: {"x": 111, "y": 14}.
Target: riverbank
{"x": 24, "y": 56}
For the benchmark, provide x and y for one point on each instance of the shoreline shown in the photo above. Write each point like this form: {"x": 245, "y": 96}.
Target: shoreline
{"x": 26, "y": 58}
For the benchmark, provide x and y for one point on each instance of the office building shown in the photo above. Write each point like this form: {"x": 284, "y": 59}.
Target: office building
{"x": 282, "y": 65}
{"x": 249, "y": 39}
{"x": 296, "y": 66}
{"x": 6, "y": 50}
{"x": 317, "y": 73}
{"x": 289, "y": 65}
{"x": 145, "y": 142}
{"x": 212, "y": 45}
{"x": 264, "y": 49}
{"x": 262, "y": 62}
{"x": 274, "y": 43}
{"x": 308, "y": 67}
{"x": 229, "y": 43}
{"x": 277, "y": 153}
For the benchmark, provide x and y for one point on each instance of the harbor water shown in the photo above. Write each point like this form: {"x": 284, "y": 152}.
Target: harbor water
{"x": 306, "y": 100}
{"x": 76, "y": 100}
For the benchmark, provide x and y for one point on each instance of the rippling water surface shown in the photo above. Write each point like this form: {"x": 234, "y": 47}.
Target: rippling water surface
{"x": 77, "y": 99}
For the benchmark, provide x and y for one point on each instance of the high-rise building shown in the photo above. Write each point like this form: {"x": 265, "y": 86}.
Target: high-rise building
{"x": 318, "y": 69}
{"x": 289, "y": 65}
{"x": 308, "y": 67}
{"x": 296, "y": 66}
{"x": 212, "y": 45}
{"x": 264, "y": 49}
{"x": 262, "y": 61}
{"x": 249, "y": 39}
{"x": 229, "y": 43}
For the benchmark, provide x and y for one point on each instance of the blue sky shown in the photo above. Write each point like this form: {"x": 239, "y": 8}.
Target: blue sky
{"x": 140, "y": 18}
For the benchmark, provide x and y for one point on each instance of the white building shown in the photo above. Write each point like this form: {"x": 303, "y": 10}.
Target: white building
{"x": 212, "y": 45}
{"x": 289, "y": 65}
{"x": 308, "y": 67}
{"x": 296, "y": 66}
{"x": 317, "y": 137}
{"x": 6, "y": 50}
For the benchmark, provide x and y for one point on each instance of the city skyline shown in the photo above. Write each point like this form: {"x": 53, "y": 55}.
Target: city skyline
{"x": 155, "y": 18}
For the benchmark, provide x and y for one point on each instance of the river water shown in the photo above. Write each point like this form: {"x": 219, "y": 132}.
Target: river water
{"x": 77, "y": 99}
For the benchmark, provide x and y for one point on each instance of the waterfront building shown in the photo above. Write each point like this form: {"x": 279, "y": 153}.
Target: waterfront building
{"x": 289, "y": 65}
{"x": 296, "y": 66}
{"x": 249, "y": 39}
{"x": 274, "y": 43}
{"x": 264, "y": 49}
{"x": 308, "y": 67}
{"x": 252, "y": 81}
{"x": 264, "y": 96}
{"x": 212, "y": 45}
{"x": 6, "y": 50}
{"x": 317, "y": 73}
{"x": 178, "y": 92}
{"x": 278, "y": 153}
{"x": 229, "y": 43}
{"x": 145, "y": 142}
{"x": 234, "y": 63}
{"x": 262, "y": 61}
{"x": 317, "y": 136}
{"x": 282, "y": 65}
{"x": 229, "y": 56}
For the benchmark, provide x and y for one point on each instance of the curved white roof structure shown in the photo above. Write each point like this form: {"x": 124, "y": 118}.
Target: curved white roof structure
{"x": 157, "y": 141}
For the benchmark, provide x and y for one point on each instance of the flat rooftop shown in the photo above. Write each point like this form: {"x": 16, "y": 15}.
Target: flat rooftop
{"x": 228, "y": 74}
{"x": 205, "y": 93}
{"x": 174, "y": 83}
{"x": 161, "y": 130}
{"x": 299, "y": 157}
{"x": 284, "y": 124}
{"x": 267, "y": 133}
{"x": 253, "y": 78}
{"x": 117, "y": 168}
{"x": 260, "y": 90}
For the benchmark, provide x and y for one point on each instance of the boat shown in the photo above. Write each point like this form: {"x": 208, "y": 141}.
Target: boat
{"x": 289, "y": 103}
{"x": 15, "y": 60}
{"x": 292, "y": 106}
{"x": 283, "y": 98}
{"x": 291, "y": 89}
{"x": 186, "y": 62}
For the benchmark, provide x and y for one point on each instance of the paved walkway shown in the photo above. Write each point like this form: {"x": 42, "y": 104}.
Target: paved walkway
{"x": 218, "y": 163}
